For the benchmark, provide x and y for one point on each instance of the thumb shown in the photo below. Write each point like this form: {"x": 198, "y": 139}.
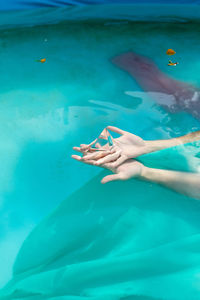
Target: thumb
{"x": 110, "y": 178}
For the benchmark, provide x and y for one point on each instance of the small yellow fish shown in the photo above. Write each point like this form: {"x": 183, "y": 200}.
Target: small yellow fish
{"x": 172, "y": 64}
{"x": 41, "y": 60}
{"x": 170, "y": 52}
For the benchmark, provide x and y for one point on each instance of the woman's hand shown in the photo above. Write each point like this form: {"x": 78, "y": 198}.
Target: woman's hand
{"x": 129, "y": 146}
{"x": 129, "y": 169}
{"x": 181, "y": 182}
{"x": 125, "y": 147}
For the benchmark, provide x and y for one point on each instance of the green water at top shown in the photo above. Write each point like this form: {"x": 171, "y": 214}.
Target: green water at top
{"x": 45, "y": 109}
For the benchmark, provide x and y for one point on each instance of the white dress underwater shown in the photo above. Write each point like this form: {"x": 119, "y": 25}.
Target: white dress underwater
{"x": 123, "y": 240}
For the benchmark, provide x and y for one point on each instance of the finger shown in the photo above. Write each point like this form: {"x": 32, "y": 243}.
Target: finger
{"x": 94, "y": 155}
{"x": 85, "y": 146}
{"x": 110, "y": 178}
{"x": 79, "y": 158}
{"x": 92, "y": 143}
{"x": 115, "y": 129}
{"x": 83, "y": 151}
{"x": 108, "y": 158}
{"x": 117, "y": 163}
{"x": 98, "y": 154}
{"x": 77, "y": 149}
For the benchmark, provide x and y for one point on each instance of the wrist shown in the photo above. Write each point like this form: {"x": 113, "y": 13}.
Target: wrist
{"x": 153, "y": 175}
{"x": 156, "y": 145}
{"x": 151, "y": 146}
{"x": 144, "y": 172}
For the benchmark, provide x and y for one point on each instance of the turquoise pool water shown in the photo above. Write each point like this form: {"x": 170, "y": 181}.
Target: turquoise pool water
{"x": 127, "y": 240}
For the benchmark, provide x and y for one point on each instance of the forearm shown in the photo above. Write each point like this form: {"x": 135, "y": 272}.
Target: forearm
{"x": 157, "y": 145}
{"x": 181, "y": 182}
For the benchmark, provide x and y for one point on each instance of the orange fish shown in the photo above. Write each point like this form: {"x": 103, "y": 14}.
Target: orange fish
{"x": 170, "y": 52}
{"x": 172, "y": 64}
{"x": 41, "y": 60}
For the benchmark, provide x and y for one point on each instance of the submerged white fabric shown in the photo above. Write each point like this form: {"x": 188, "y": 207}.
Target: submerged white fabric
{"x": 112, "y": 241}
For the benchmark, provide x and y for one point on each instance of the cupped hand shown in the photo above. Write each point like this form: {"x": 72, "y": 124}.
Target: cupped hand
{"x": 124, "y": 147}
{"x": 129, "y": 169}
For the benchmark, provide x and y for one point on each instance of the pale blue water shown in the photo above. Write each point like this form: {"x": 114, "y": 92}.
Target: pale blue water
{"x": 127, "y": 240}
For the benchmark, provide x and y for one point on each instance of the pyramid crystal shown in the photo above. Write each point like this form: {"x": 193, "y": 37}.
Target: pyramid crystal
{"x": 104, "y": 141}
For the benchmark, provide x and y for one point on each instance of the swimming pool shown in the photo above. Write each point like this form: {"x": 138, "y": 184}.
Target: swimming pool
{"x": 64, "y": 234}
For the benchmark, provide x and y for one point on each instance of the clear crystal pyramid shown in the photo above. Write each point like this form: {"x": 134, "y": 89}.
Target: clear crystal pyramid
{"x": 104, "y": 141}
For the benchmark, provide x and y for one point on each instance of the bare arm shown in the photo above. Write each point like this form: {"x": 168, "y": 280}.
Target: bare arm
{"x": 181, "y": 182}
{"x": 152, "y": 146}
{"x": 129, "y": 146}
